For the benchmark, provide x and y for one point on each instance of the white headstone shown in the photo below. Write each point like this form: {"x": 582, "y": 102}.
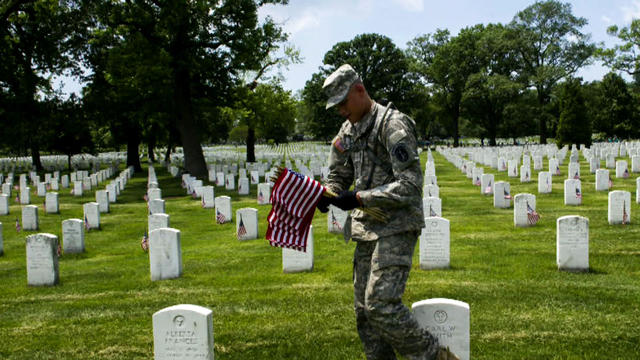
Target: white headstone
{"x": 622, "y": 170}
{"x": 477, "y": 174}
{"x": 635, "y": 164}
{"x": 487, "y": 184}
{"x": 77, "y": 188}
{"x": 432, "y": 206}
{"x": 64, "y": 180}
{"x": 41, "y": 189}
{"x": 42, "y": 260}
{"x": 525, "y": 174}
{"x": 430, "y": 190}
{"x": 223, "y": 209}
{"x": 165, "y": 254}
{"x": 572, "y": 243}
{"x": 544, "y": 182}
{"x": 430, "y": 180}
{"x": 637, "y": 195}
{"x": 594, "y": 164}
{"x": 537, "y": 163}
{"x": 6, "y": 189}
{"x": 524, "y": 210}
{"x": 25, "y": 195}
{"x": 243, "y": 186}
{"x": 91, "y": 215}
{"x": 619, "y": 209}
{"x": 502, "y": 195}
{"x": 156, "y": 207}
{"x": 255, "y": 177}
{"x": 102, "y": 199}
{"x": 208, "y": 197}
{"x": 602, "y": 180}
{"x": 574, "y": 171}
{"x": 264, "y": 193}
{"x": 30, "y": 217}
{"x": 513, "y": 168}
{"x": 4, "y": 204}
{"x": 220, "y": 179}
{"x": 230, "y": 182}
{"x": 153, "y": 194}
{"x": 572, "y": 192}
{"x": 297, "y": 261}
{"x": 55, "y": 185}
{"x": 183, "y": 332}
{"x": 51, "y": 205}
{"x": 247, "y": 224}
{"x": 73, "y": 236}
{"x": 611, "y": 162}
{"x": 434, "y": 244}
{"x": 1, "y": 241}
{"x": 112, "y": 192}
{"x": 449, "y": 321}
{"x": 157, "y": 221}
{"x": 336, "y": 219}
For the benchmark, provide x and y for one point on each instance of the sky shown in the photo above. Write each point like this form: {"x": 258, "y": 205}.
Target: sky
{"x": 315, "y": 26}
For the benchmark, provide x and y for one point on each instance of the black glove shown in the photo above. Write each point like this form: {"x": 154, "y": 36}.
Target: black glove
{"x": 323, "y": 204}
{"x": 346, "y": 200}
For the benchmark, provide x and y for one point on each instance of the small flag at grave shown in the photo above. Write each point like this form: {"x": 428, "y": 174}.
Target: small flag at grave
{"x": 242, "y": 230}
{"x": 532, "y": 215}
{"x": 144, "y": 243}
{"x": 431, "y": 212}
{"x": 146, "y": 198}
{"x": 625, "y": 217}
{"x": 15, "y": 187}
{"x": 557, "y": 170}
{"x": 18, "y": 228}
{"x": 488, "y": 190}
{"x": 17, "y": 198}
{"x": 576, "y": 176}
{"x": 86, "y": 223}
{"x": 506, "y": 194}
{"x": 59, "y": 250}
{"x": 220, "y": 218}
{"x": 202, "y": 202}
{"x": 578, "y": 193}
{"x": 194, "y": 195}
{"x": 335, "y": 221}
{"x": 526, "y": 176}
{"x": 260, "y": 196}
{"x": 477, "y": 182}
{"x": 183, "y": 184}
{"x": 626, "y": 173}
{"x": 610, "y": 182}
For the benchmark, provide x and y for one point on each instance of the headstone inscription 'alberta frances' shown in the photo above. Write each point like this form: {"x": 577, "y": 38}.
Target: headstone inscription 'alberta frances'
{"x": 572, "y": 243}
{"x": 434, "y": 244}
{"x": 183, "y": 332}
{"x": 42, "y": 260}
{"x": 449, "y": 321}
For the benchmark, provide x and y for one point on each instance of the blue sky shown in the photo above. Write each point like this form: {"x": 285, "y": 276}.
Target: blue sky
{"x": 316, "y": 25}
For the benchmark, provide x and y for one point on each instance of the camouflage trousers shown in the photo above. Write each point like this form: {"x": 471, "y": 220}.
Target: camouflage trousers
{"x": 385, "y": 324}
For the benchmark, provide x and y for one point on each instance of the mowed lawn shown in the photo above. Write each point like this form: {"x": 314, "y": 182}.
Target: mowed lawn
{"x": 522, "y": 307}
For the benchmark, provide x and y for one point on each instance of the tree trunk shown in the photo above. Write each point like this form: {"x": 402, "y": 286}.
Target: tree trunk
{"x": 167, "y": 155}
{"x": 150, "y": 146}
{"x": 69, "y": 163}
{"x": 455, "y": 117}
{"x": 133, "y": 157}
{"x": 35, "y": 157}
{"x": 251, "y": 142}
{"x": 542, "y": 123}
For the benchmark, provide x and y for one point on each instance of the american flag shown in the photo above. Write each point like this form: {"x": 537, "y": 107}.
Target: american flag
{"x": 464, "y": 167}
{"x": 260, "y": 196}
{"x": 557, "y": 170}
{"x": 59, "y": 250}
{"x": 625, "y": 216}
{"x": 194, "y": 195}
{"x": 506, "y": 193}
{"x": 144, "y": 243}
{"x": 242, "y": 230}
{"x": 626, "y": 173}
{"x": 578, "y": 193}
{"x": 183, "y": 184}
{"x": 477, "y": 182}
{"x": 526, "y": 176}
{"x": 202, "y": 202}
{"x": 86, "y": 223}
{"x": 532, "y": 215}
{"x": 576, "y": 176}
{"x": 220, "y": 218}
{"x": 548, "y": 184}
{"x": 488, "y": 189}
{"x": 146, "y": 197}
{"x": 17, "y": 198}
{"x": 610, "y": 182}
{"x": 18, "y": 228}
{"x": 293, "y": 201}
{"x": 335, "y": 221}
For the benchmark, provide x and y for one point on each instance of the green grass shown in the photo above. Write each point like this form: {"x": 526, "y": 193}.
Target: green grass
{"x": 522, "y": 307}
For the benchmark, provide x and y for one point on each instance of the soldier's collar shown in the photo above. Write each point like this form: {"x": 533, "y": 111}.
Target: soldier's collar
{"x": 364, "y": 124}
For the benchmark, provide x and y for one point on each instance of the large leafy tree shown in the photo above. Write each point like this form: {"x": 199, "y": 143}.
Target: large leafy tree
{"x": 572, "y": 127}
{"x": 446, "y": 63}
{"x": 615, "y": 108}
{"x": 206, "y": 44}
{"x": 551, "y": 47}
{"x": 382, "y": 66}
{"x": 626, "y": 55}
{"x": 38, "y": 38}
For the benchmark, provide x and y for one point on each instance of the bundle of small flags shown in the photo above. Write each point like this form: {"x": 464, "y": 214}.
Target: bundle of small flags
{"x": 144, "y": 243}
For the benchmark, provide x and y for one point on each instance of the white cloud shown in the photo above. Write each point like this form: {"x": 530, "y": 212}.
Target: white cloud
{"x": 606, "y": 19}
{"x": 411, "y": 5}
{"x": 631, "y": 12}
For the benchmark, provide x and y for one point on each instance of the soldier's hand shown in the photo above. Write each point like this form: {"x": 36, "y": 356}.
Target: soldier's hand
{"x": 323, "y": 204}
{"x": 347, "y": 200}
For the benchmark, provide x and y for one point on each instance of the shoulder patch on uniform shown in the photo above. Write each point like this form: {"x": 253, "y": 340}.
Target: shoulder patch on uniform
{"x": 337, "y": 143}
{"x": 397, "y": 136}
{"x": 400, "y": 152}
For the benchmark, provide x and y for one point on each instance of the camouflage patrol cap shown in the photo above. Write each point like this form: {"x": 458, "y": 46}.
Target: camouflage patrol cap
{"x": 337, "y": 85}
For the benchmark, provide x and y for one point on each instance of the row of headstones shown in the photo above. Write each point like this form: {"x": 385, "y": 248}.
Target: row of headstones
{"x": 185, "y": 331}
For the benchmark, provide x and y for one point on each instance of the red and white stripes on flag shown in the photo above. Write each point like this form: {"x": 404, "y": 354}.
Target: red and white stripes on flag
{"x": 532, "y": 215}
{"x": 293, "y": 201}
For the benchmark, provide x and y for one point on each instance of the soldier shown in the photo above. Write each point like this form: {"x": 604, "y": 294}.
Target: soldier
{"x": 376, "y": 147}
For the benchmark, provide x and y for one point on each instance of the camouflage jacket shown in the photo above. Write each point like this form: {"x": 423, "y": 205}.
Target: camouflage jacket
{"x": 395, "y": 186}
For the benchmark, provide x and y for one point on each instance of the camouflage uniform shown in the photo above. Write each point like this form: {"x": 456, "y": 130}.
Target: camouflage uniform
{"x": 384, "y": 251}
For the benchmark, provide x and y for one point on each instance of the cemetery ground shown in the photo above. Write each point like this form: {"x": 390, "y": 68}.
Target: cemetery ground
{"x": 521, "y": 306}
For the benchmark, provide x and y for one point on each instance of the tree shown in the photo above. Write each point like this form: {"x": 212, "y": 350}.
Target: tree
{"x": 447, "y": 63}
{"x": 38, "y": 38}
{"x": 572, "y": 127}
{"x": 615, "y": 113}
{"x": 625, "y": 56}
{"x": 322, "y": 124}
{"x": 551, "y": 47}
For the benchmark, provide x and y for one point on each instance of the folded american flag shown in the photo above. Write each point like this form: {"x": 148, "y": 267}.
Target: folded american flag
{"x": 293, "y": 201}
